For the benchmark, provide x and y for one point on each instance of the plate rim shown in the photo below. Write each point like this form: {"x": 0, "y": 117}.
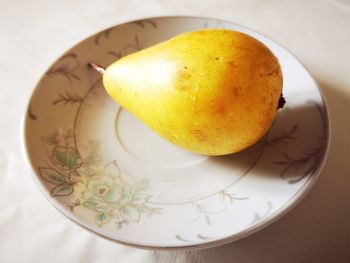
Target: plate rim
{"x": 268, "y": 220}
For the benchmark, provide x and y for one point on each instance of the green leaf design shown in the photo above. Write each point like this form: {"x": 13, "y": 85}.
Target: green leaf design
{"x": 62, "y": 190}
{"x": 89, "y": 204}
{"x": 66, "y": 157}
{"x": 102, "y": 218}
{"x": 130, "y": 213}
{"x": 51, "y": 175}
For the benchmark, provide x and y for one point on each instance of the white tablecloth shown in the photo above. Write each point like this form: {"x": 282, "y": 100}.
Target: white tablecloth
{"x": 34, "y": 33}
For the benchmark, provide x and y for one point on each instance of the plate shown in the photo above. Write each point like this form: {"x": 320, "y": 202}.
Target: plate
{"x": 106, "y": 171}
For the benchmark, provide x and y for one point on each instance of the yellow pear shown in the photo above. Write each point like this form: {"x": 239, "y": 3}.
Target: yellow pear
{"x": 213, "y": 91}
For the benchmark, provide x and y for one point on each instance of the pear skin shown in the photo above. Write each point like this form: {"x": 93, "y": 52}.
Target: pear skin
{"x": 213, "y": 91}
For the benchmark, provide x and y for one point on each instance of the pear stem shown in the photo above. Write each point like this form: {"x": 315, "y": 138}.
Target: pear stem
{"x": 97, "y": 67}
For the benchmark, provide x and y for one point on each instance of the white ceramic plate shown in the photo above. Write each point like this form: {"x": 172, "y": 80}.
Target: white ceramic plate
{"x": 109, "y": 173}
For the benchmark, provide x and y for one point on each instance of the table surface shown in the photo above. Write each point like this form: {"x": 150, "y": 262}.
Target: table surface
{"x": 34, "y": 33}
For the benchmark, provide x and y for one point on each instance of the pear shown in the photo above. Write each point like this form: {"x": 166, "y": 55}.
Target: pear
{"x": 213, "y": 91}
